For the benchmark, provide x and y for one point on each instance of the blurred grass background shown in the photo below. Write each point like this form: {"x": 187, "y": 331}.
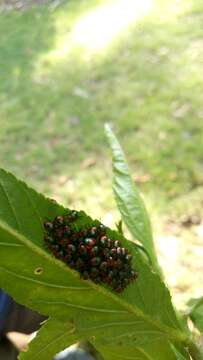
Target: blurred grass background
{"x": 67, "y": 67}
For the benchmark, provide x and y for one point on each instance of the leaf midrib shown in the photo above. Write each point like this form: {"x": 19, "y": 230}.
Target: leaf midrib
{"x": 174, "y": 334}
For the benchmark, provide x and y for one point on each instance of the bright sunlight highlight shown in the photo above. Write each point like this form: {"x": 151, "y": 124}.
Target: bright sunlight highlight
{"x": 100, "y": 27}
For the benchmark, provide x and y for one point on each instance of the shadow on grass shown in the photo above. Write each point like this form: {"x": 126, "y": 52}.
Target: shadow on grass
{"x": 24, "y": 35}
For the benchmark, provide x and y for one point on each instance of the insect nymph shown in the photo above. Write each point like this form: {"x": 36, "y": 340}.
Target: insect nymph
{"x": 90, "y": 251}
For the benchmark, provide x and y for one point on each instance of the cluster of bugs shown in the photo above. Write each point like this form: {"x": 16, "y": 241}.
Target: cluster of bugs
{"x": 90, "y": 251}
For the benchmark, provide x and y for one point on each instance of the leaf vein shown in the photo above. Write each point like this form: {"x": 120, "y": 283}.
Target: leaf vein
{"x": 10, "y": 205}
{"x": 44, "y": 283}
{"x": 86, "y": 308}
{"x": 10, "y": 244}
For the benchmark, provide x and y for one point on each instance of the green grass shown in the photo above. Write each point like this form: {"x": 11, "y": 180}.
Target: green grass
{"x": 147, "y": 83}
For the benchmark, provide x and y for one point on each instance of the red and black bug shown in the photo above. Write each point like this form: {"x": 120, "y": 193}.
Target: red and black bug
{"x": 90, "y": 251}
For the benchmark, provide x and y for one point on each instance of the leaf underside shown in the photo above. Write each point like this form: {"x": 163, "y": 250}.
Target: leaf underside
{"x": 139, "y": 324}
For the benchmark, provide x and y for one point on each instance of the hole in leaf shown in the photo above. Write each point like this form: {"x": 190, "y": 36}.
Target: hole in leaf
{"x": 38, "y": 271}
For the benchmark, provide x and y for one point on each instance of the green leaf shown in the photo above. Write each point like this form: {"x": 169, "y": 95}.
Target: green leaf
{"x": 195, "y": 312}
{"x": 53, "y": 335}
{"x": 139, "y": 324}
{"x": 128, "y": 199}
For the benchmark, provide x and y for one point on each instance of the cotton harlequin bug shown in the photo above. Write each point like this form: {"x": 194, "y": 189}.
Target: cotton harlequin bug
{"x": 73, "y": 215}
{"x": 59, "y": 220}
{"x": 93, "y": 230}
{"x": 90, "y": 251}
{"x": 117, "y": 243}
{"x": 48, "y": 225}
